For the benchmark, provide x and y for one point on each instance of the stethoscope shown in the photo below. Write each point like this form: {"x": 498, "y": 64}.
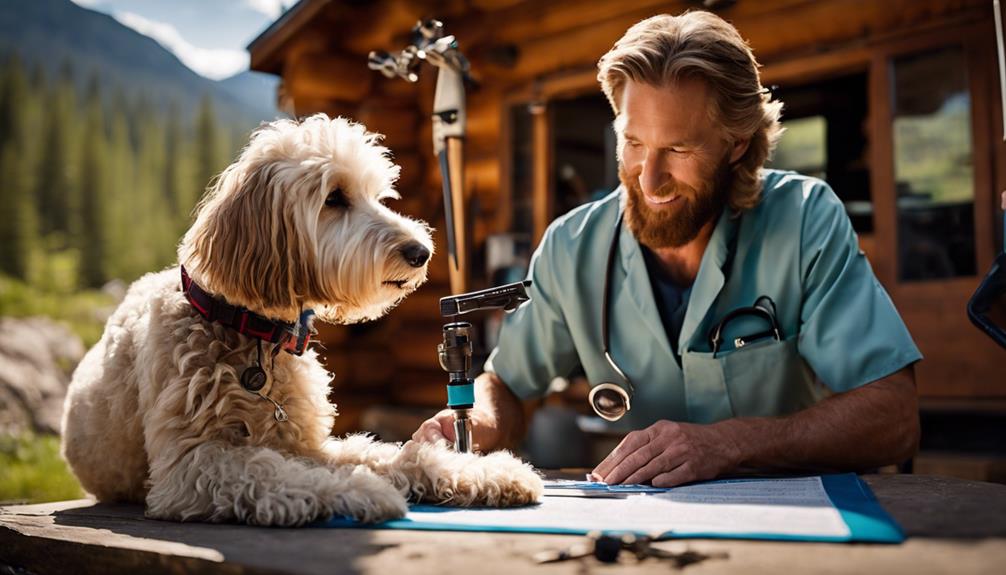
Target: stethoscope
{"x": 612, "y": 401}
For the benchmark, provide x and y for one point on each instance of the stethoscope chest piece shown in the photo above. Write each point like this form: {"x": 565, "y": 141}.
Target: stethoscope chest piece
{"x": 609, "y": 401}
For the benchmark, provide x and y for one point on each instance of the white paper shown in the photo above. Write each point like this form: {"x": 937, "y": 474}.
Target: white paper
{"x": 789, "y": 506}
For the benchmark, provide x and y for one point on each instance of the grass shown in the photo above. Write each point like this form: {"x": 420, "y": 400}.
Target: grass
{"x": 52, "y": 292}
{"x": 31, "y": 470}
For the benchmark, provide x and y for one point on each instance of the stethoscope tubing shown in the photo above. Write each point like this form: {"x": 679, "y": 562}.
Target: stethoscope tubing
{"x": 606, "y": 306}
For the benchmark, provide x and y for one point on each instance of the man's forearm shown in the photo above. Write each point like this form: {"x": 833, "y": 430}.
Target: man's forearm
{"x": 493, "y": 395}
{"x": 874, "y": 425}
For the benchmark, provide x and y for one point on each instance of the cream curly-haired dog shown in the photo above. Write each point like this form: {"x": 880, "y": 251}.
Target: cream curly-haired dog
{"x": 158, "y": 411}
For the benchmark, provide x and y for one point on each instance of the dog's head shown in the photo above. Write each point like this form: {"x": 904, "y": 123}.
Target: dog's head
{"x": 300, "y": 221}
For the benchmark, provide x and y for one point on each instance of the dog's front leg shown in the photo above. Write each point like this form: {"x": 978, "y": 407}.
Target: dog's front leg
{"x": 256, "y": 485}
{"x": 436, "y": 474}
{"x": 382, "y": 458}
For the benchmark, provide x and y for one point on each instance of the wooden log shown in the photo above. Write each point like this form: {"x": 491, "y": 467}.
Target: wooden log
{"x": 424, "y": 134}
{"x": 396, "y": 88}
{"x": 420, "y": 388}
{"x": 483, "y": 116}
{"x": 494, "y": 5}
{"x": 547, "y": 43}
{"x": 351, "y": 408}
{"x": 394, "y": 120}
{"x": 359, "y": 366}
{"x": 438, "y": 271}
{"x": 414, "y": 206}
{"x": 485, "y": 227}
{"x": 482, "y": 177}
{"x": 421, "y": 306}
{"x": 413, "y": 165}
{"x": 577, "y": 48}
{"x": 539, "y": 19}
{"x": 306, "y": 105}
{"x": 519, "y": 23}
{"x": 334, "y": 76}
{"x": 812, "y": 26}
{"x": 380, "y": 25}
{"x": 417, "y": 347}
{"x": 331, "y": 335}
{"x": 274, "y": 55}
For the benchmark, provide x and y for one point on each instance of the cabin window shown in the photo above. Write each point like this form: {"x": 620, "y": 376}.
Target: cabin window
{"x": 827, "y": 137}
{"x": 803, "y": 147}
{"x": 585, "y": 161}
{"x": 933, "y": 165}
{"x": 521, "y": 170}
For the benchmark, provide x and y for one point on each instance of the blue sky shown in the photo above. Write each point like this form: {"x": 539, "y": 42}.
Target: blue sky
{"x": 208, "y": 36}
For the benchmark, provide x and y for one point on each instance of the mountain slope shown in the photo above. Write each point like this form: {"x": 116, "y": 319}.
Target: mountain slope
{"x": 254, "y": 88}
{"x": 54, "y": 33}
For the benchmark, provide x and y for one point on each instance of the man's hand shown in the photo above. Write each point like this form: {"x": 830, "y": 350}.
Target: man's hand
{"x": 870, "y": 426}
{"x": 497, "y": 421}
{"x": 486, "y": 435}
{"x": 668, "y": 454}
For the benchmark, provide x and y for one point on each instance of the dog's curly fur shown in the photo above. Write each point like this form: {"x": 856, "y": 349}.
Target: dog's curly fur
{"x": 156, "y": 412}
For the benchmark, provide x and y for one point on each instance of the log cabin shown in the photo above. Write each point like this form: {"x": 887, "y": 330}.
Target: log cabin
{"x": 895, "y": 103}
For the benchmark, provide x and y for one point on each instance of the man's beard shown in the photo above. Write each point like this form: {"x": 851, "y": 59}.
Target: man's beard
{"x": 675, "y": 225}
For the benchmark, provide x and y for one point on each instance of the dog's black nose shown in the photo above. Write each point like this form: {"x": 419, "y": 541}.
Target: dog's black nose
{"x": 416, "y": 254}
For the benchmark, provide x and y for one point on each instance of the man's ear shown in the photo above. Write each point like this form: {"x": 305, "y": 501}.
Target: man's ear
{"x": 248, "y": 246}
{"x": 740, "y": 148}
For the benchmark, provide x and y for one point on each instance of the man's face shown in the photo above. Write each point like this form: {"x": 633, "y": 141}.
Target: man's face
{"x": 673, "y": 161}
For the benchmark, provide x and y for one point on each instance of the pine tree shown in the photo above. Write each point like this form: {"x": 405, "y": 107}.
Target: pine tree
{"x": 208, "y": 156}
{"x": 160, "y": 235}
{"x": 54, "y": 193}
{"x": 37, "y": 79}
{"x": 17, "y": 213}
{"x": 70, "y": 202}
{"x": 171, "y": 180}
{"x": 94, "y": 240}
{"x": 8, "y": 112}
{"x": 121, "y": 193}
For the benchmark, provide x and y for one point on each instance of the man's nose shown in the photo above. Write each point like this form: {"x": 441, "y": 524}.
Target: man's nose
{"x": 653, "y": 175}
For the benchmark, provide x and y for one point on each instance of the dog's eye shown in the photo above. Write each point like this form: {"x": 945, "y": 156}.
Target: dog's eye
{"x": 337, "y": 199}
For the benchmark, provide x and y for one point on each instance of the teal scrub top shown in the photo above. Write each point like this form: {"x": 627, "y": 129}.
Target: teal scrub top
{"x": 840, "y": 329}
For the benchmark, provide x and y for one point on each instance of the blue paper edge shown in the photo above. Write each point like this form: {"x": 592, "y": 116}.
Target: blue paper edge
{"x": 860, "y": 510}
{"x": 853, "y": 498}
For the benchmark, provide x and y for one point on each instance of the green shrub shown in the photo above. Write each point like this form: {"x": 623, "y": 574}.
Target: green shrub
{"x": 83, "y": 312}
{"x": 31, "y": 470}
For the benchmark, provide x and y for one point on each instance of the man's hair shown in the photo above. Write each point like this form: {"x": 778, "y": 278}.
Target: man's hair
{"x": 664, "y": 48}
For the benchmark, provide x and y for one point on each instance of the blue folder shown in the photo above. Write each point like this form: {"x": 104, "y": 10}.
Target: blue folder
{"x": 866, "y": 519}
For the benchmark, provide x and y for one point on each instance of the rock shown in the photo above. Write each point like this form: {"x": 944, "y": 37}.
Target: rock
{"x": 37, "y": 357}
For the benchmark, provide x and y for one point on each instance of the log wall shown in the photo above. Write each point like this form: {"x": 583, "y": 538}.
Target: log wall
{"x": 520, "y": 51}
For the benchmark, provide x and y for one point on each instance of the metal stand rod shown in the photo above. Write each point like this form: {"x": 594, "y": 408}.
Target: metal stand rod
{"x": 462, "y": 431}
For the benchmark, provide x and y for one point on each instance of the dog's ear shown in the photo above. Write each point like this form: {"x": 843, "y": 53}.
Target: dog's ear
{"x": 252, "y": 241}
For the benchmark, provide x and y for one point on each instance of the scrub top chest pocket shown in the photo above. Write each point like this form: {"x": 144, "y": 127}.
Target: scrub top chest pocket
{"x": 765, "y": 379}
{"x": 750, "y": 372}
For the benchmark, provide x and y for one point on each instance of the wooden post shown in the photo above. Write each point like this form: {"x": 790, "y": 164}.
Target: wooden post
{"x": 542, "y": 170}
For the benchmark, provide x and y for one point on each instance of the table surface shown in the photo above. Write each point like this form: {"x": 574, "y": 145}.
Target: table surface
{"x": 953, "y": 525}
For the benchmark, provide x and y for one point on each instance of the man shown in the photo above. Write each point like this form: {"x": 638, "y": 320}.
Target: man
{"x": 697, "y": 231}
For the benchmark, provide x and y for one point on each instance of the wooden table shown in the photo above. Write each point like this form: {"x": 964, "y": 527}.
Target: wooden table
{"x": 954, "y": 526}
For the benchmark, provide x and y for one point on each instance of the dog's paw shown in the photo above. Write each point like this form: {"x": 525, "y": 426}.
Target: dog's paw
{"x": 367, "y": 498}
{"x": 495, "y": 480}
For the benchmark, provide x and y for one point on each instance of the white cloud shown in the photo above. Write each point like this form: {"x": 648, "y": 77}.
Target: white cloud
{"x": 86, "y": 3}
{"x": 212, "y": 63}
{"x": 271, "y": 8}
